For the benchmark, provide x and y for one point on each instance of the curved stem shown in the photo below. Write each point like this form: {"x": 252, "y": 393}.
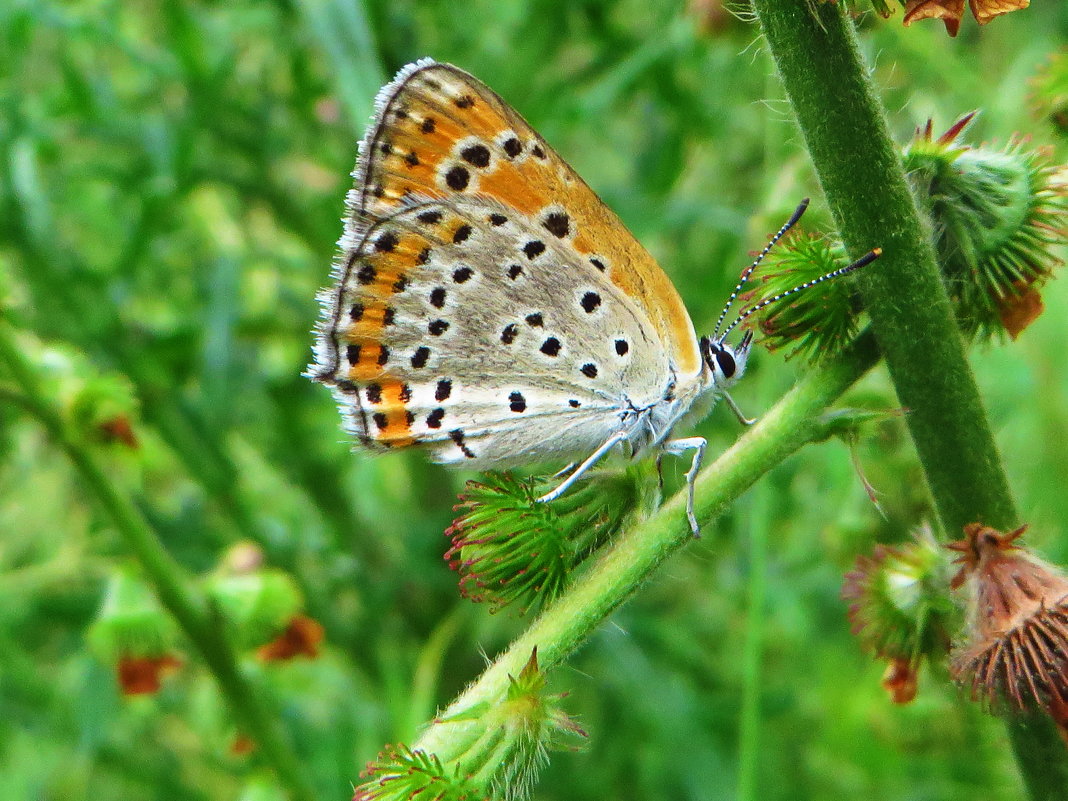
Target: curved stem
{"x": 634, "y": 555}
{"x": 190, "y": 609}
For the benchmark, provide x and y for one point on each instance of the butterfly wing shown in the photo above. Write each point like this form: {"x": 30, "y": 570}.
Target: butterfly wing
{"x": 488, "y": 305}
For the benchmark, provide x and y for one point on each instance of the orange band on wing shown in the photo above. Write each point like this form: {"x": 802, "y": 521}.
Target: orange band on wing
{"x": 391, "y": 422}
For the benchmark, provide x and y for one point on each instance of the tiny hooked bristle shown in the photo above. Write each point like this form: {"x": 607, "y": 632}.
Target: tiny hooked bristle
{"x": 863, "y": 261}
{"x": 760, "y": 257}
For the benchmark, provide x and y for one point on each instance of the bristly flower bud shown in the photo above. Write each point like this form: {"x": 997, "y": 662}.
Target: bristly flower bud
{"x": 133, "y": 632}
{"x": 401, "y": 774}
{"x": 900, "y": 608}
{"x": 997, "y": 215}
{"x": 262, "y": 605}
{"x": 508, "y": 548}
{"x": 507, "y": 744}
{"x": 816, "y": 324}
{"x": 537, "y": 724}
{"x": 1017, "y": 647}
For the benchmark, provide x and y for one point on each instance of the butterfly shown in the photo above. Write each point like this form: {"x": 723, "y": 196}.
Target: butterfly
{"x": 489, "y": 309}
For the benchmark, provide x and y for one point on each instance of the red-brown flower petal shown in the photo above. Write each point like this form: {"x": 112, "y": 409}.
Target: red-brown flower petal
{"x": 949, "y": 11}
{"x": 302, "y": 637}
{"x": 142, "y": 675}
{"x": 986, "y": 10}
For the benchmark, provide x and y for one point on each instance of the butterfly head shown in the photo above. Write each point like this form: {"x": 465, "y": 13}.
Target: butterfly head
{"x": 725, "y": 362}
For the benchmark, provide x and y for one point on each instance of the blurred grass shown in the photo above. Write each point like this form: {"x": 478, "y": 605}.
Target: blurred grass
{"x": 171, "y": 177}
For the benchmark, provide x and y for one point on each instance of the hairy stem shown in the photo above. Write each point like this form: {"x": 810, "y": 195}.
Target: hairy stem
{"x": 817, "y": 54}
{"x": 859, "y": 167}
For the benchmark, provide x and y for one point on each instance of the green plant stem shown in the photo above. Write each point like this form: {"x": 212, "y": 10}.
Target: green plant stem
{"x": 817, "y": 54}
{"x": 634, "y": 555}
{"x": 66, "y": 295}
{"x": 189, "y": 608}
{"x": 859, "y": 166}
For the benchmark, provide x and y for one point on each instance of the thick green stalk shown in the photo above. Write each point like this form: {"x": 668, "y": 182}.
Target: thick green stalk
{"x": 189, "y": 608}
{"x": 859, "y": 167}
{"x": 630, "y": 559}
{"x": 818, "y": 57}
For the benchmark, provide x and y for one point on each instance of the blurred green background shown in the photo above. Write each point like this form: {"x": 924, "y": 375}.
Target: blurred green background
{"x": 171, "y": 178}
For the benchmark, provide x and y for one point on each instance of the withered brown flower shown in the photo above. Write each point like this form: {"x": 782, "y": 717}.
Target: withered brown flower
{"x": 951, "y": 11}
{"x": 143, "y": 675}
{"x": 1018, "y": 622}
{"x": 1021, "y": 309}
{"x": 901, "y": 680}
{"x": 302, "y": 637}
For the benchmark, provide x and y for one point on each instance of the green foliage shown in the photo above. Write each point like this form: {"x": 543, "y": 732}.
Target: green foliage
{"x": 171, "y": 178}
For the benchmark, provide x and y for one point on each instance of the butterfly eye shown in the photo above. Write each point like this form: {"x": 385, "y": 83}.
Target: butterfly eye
{"x": 726, "y": 362}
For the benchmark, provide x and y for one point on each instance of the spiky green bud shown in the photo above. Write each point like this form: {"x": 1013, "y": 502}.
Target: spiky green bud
{"x": 134, "y": 634}
{"x": 900, "y": 606}
{"x": 998, "y": 215}
{"x": 131, "y": 621}
{"x": 508, "y": 548}
{"x": 401, "y": 774}
{"x": 815, "y": 323}
{"x": 256, "y": 606}
{"x": 503, "y": 747}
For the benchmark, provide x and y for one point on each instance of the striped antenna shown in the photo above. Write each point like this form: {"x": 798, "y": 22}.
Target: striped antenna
{"x": 863, "y": 261}
{"x": 760, "y": 257}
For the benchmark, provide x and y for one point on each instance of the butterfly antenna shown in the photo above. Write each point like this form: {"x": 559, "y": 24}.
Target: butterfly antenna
{"x": 863, "y": 261}
{"x": 749, "y": 270}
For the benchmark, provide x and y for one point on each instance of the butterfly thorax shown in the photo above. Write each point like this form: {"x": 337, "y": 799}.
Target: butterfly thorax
{"x": 689, "y": 398}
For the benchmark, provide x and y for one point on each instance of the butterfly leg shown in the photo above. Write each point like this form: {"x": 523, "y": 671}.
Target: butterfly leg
{"x": 564, "y": 470}
{"x": 745, "y": 421}
{"x": 595, "y": 457}
{"x": 679, "y": 446}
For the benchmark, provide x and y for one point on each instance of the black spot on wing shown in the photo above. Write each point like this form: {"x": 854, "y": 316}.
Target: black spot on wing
{"x": 478, "y": 155}
{"x": 590, "y": 301}
{"x": 419, "y": 358}
{"x": 387, "y": 242}
{"x": 458, "y": 178}
{"x": 534, "y": 248}
{"x": 551, "y": 346}
{"x": 557, "y": 224}
{"x": 457, "y": 436}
